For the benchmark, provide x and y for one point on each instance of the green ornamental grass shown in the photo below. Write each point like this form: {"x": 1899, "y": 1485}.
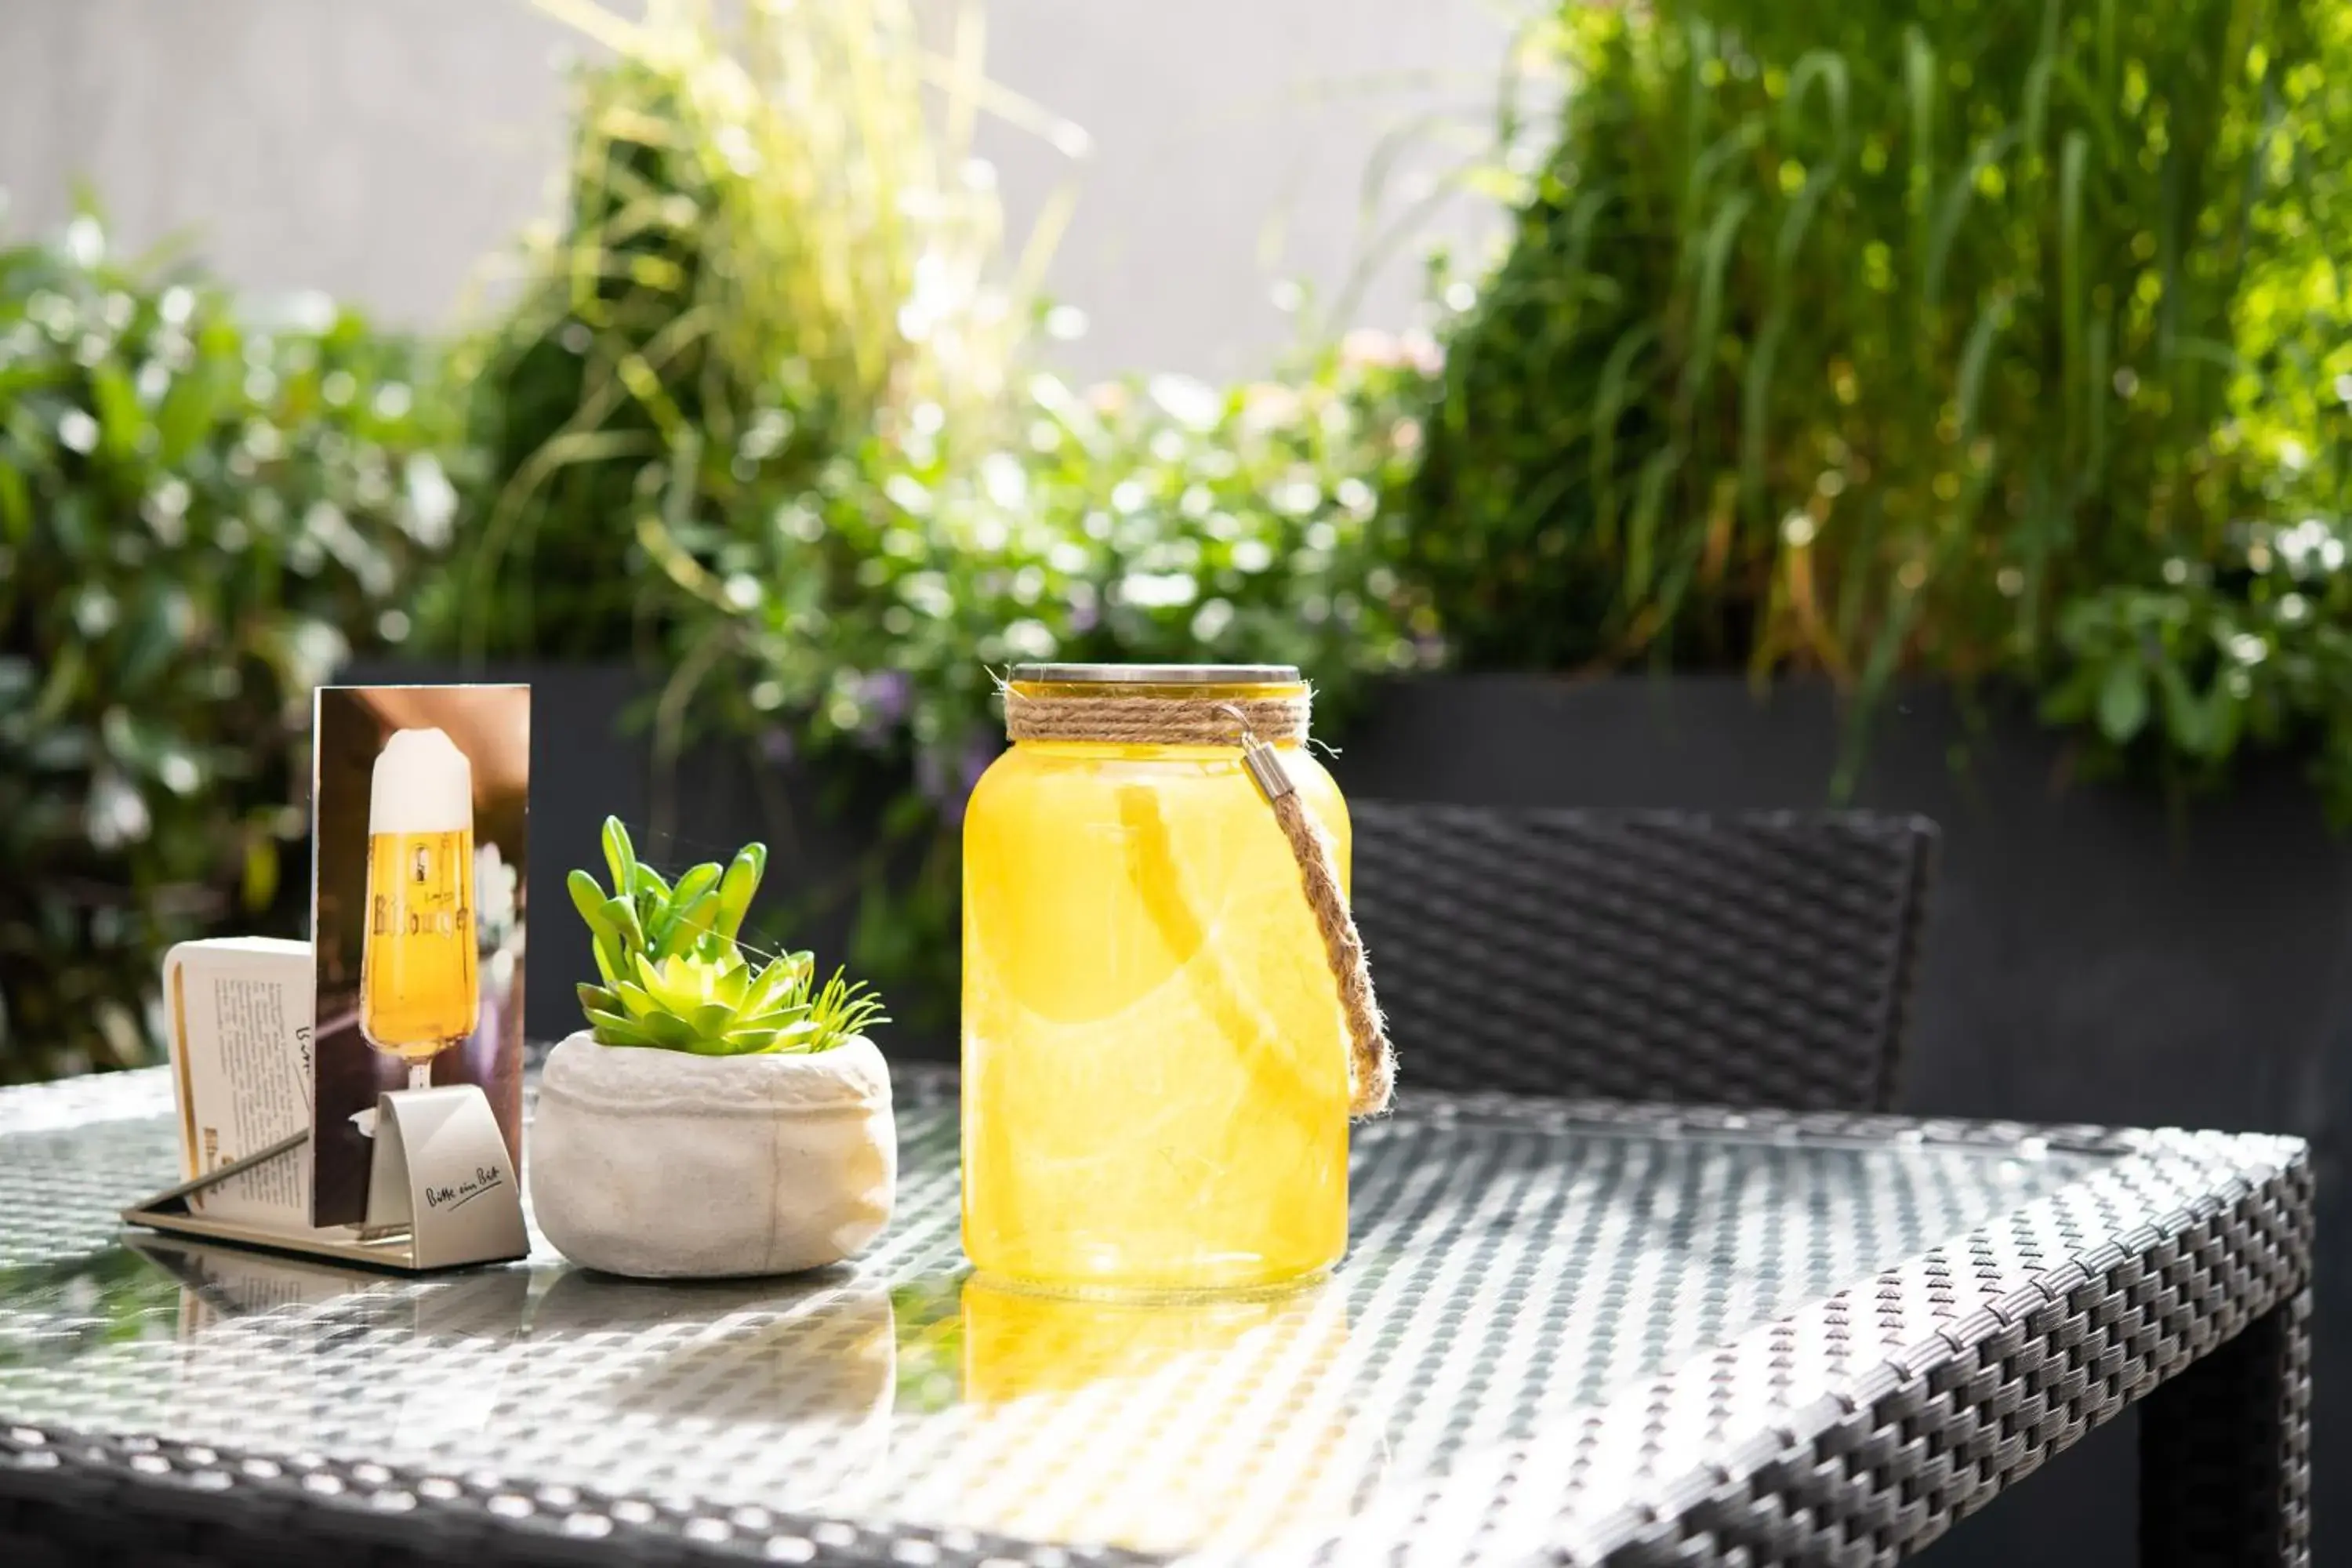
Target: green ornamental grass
{"x": 768, "y": 250}
{"x": 1995, "y": 340}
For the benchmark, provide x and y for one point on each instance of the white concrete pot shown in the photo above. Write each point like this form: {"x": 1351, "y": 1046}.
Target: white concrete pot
{"x": 664, "y": 1165}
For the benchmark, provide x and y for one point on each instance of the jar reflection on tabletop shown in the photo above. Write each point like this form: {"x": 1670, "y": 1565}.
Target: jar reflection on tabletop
{"x": 1155, "y": 1062}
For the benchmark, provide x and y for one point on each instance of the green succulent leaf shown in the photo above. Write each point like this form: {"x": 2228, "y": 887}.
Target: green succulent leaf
{"x": 650, "y": 983}
{"x": 773, "y": 1021}
{"x": 687, "y": 919}
{"x": 588, "y": 898}
{"x": 621, "y": 916}
{"x": 611, "y": 1029}
{"x": 800, "y": 1035}
{"x": 712, "y": 1020}
{"x": 674, "y": 975}
{"x": 695, "y": 882}
{"x": 620, "y": 856}
{"x": 690, "y": 922}
{"x": 669, "y": 1030}
{"x": 742, "y": 880}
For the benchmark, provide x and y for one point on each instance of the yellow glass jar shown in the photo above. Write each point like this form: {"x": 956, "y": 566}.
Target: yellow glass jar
{"x": 1155, "y": 1061}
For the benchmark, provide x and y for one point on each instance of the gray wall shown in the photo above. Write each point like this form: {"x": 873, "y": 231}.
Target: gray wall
{"x": 378, "y": 149}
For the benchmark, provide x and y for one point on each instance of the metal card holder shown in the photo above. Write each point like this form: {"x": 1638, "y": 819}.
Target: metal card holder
{"x": 443, "y": 1194}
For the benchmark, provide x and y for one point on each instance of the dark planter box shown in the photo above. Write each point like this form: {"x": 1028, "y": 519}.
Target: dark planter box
{"x": 2090, "y": 955}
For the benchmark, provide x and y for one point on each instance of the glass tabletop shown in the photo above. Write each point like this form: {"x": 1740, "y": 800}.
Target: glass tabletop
{"x": 1505, "y": 1271}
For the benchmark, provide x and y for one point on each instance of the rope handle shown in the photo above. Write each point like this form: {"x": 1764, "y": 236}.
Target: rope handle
{"x": 1371, "y": 1064}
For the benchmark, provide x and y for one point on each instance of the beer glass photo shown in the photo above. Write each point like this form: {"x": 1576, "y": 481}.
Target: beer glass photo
{"x": 420, "y": 991}
{"x": 419, "y": 905}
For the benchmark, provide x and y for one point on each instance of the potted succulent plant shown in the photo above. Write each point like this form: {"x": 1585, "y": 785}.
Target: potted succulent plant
{"x": 718, "y": 1116}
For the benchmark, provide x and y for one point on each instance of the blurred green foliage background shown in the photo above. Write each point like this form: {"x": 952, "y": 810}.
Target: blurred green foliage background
{"x": 200, "y": 517}
{"x": 1997, "y": 342}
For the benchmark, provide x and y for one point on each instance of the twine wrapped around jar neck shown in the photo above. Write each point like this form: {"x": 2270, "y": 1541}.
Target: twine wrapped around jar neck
{"x": 1252, "y": 724}
{"x": 1143, "y": 720}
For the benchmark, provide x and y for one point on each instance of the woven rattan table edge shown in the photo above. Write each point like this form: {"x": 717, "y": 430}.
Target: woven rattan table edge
{"x": 2058, "y": 1297}
{"x": 1725, "y": 1505}
{"x": 477, "y": 1517}
{"x": 1672, "y": 1517}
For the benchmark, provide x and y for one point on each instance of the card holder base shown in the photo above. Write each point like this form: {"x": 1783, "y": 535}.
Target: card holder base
{"x": 444, "y": 1193}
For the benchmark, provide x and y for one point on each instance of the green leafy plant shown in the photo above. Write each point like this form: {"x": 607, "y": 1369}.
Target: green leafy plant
{"x": 1978, "y": 340}
{"x": 674, "y": 973}
{"x": 1160, "y": 520}
{"x": 769, "y": 249}
{"x": 201, "y": 512}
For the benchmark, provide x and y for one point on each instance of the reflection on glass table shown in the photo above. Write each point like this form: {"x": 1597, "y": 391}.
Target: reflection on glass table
{"x": 1503, "y": 1273}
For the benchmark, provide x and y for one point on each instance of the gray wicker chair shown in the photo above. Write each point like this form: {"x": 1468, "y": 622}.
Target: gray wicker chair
{"x": 1736, "y": 959}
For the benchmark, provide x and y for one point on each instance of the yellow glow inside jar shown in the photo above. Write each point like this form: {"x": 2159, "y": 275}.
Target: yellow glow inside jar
{"x": 1155, "y": 1063}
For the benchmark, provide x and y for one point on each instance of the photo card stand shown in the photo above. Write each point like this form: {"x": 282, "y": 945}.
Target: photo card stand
{"x": 444, "y": 1192}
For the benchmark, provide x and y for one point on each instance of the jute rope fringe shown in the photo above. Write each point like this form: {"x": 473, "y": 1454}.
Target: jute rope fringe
{"x": 1250, "y": 725}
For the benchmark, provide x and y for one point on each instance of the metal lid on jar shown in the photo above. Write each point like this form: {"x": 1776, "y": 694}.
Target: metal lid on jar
{"x": 1157, "y": 674}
